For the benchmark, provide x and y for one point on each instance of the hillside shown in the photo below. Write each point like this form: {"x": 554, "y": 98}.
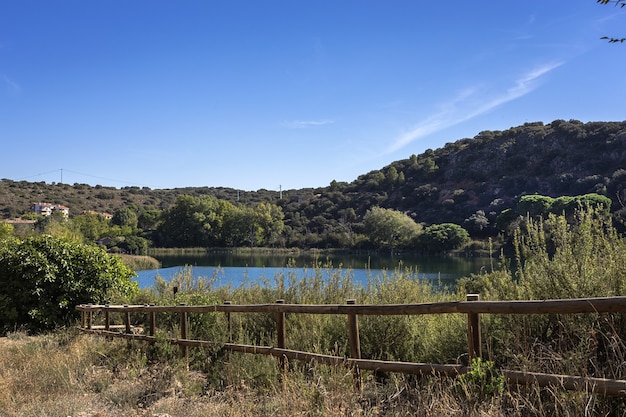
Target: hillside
{"x": 487, "y": 173}
{"x": 492, "y": 170}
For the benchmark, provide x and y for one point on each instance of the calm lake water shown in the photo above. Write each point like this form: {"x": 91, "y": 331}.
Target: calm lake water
{"x": 229, "y": 269}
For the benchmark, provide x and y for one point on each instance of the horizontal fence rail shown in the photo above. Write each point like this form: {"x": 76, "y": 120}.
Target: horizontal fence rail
{"x": 568, "y": 306}
{"x": 473, "y": 307}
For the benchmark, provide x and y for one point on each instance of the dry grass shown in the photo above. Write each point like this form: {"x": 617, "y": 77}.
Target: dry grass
{"x": 139, "y": 262}
{"x": 68, "y": 374}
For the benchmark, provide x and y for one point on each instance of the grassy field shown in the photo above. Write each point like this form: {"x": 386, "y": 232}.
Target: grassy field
{"x": 70, "y": 374}
{"x": 67, "y": 374}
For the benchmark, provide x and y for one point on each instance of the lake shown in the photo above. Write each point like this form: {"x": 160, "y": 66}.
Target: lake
{"x": 231, "y": 269}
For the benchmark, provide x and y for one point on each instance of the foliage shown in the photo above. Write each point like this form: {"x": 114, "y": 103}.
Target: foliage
{"x": 559, "y": 257}
{"x": 6, "y": 230}
{"x": 534, "y": 205}
{"x": 44, "y": 278}
{"x": 436, "y": 339}
{"x": 556, "y": 259}
{"x": 620, "y": 4}
{"x": 208, "y": 221}
{"x": 482, "y": 381}
{"x": 73, "y": 374}
{"x": 133, "y": 245}
{"x": 124, "y": 216}
{"x": 426, "y": 338}
{"x": 541, "y": 206}
{"x": 477, "y": 224}
{"x": 388, "y": 228}
{"x": 443, "y": 237}
{"x": 59, "y": 226}
{"x": 92, "y": 226}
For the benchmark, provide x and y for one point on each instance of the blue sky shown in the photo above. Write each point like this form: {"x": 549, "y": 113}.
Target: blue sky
{"x": 293, "y": 94}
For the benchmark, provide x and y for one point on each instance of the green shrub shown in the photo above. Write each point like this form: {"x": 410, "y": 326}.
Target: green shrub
{"x": 482, "y": 381}
{"x": 558, "y": 258}
{"x": 43, "y": 278}
{"x": 443, "y": 237}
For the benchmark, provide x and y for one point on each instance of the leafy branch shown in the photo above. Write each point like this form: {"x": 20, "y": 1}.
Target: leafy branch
{"x": 617, "y": 3}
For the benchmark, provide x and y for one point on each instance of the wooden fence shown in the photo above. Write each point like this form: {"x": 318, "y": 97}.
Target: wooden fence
{"x": 473, "y": 308}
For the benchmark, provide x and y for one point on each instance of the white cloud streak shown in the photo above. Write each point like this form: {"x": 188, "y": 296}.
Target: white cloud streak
{"x": 466, "y": 105}
{"x": 11, "y": 87}
{"x": 304, "y": 124}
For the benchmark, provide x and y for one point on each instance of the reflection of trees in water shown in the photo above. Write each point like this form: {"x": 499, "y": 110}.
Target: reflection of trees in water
{"x": 367, "y": 260}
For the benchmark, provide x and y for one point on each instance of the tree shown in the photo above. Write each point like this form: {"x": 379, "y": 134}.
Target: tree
{"x": 241, "y": 227}
{"x": 58, "y": 225}
{"x": 125, "y": 216}
{"x": 270, "y": 218}
{"x": 444, "y": 237}
{"x": 388, "y": 228}
{"x": 477, "y": 223}
{"x": 149, "y": 219}
{"x": 392, "y": 175}
{"x": 43, "y": 278}
{"x": 194, "y": 221}
{"x": 134, "y": 245}
{"x": 534, "y": 205}
{"x": 91, "y": 226}
{"x": 6, "y": 230}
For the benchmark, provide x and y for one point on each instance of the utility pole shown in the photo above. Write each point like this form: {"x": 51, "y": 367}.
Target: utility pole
{"x": 280, "y": 191}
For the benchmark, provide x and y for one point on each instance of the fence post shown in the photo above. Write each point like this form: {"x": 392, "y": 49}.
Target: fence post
{"x": 184, "y": 350}
{"x": 355, "y": 343}
{"x": 107, "y": 318}
{"x": 230, "y": 323}
{"x": 280, "y": 335}
{"x": 152, "y": 329}
{"x": 473, "y": 331}
{"x": 127, "y": 320}
{"x": 89, "y": 317}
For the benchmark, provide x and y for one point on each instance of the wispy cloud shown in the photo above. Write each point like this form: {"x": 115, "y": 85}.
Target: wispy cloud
{"x": 469, "y": 104}
{"x": 304, "y": 124}
{"x": 10, "y": 86}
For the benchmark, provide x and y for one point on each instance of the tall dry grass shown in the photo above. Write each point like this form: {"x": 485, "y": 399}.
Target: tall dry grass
{"x": 70, "y": 374}
{"x": 139, "y": 262}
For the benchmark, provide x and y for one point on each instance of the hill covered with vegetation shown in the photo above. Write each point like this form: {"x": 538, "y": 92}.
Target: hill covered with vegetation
{"x": 469, "y": 182}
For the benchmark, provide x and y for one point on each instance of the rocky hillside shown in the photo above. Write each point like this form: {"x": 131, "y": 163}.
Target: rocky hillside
{"x": 492, "y": 170}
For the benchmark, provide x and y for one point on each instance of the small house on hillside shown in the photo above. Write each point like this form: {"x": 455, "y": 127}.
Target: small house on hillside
{"x": 46, "y": 209}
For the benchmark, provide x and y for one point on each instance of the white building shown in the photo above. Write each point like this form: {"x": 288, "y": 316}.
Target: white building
{"x": 46, "y": 209}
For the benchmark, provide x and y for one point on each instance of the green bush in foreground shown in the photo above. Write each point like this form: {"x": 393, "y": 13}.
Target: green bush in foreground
{"x": 43, "y": 278}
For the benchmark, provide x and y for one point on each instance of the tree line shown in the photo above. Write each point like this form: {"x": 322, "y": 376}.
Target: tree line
{"x": 207, "y": 221}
